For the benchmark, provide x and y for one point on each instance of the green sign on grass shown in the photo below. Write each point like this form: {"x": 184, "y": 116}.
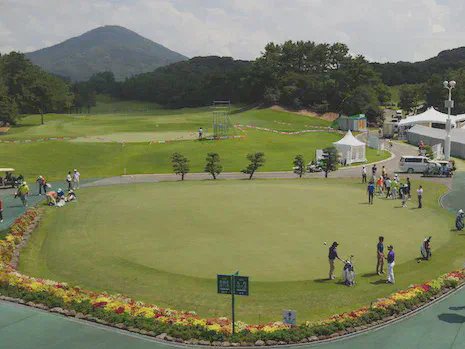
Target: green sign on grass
{"x": 224, "y": 284}
{"x": 233, "y": 285}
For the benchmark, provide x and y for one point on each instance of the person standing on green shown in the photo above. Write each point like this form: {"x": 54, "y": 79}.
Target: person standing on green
{"x": 380, "y": 256}
{"x": 420, "y": 196}
{"x": 371, "y": 193}
{"x": 332, "y": 256}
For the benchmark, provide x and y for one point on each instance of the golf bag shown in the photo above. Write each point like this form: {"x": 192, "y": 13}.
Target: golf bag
{"x": 459, "y": 222}
{"x": 348, "y": 273}
{"x": 425, "y": 251}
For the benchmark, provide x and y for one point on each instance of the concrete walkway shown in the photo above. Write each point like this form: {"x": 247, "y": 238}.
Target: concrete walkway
{"x": 440, "y": 326}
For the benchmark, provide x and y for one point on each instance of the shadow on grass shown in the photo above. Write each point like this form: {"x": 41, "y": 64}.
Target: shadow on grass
{"x": 322, "y": 281}
{"x": 379, "y": 282}
{"x": 452, "y": 318}
{"x": 369, "y": 275}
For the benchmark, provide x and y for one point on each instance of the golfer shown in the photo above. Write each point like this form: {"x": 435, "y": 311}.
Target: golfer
{"x": 42, "y": 185}
{"x": 332, "y": 256}
{"x": 426, "y": 248}
{"x": 391, "y": 263}
{"x": 76, "y": 179}
{"x": 380, "y": 256}
{"x": 420, "y": 196}
{"x": 200, "y": 133}
{"x": 364, "y": 174}
{"x": 403, "y": 193}
{"x": 23, "y": 193}
{"x": 383, "y": 172}
{"x": 69, "y": 180}
{"x": 371, "y": 192}
{"x": 1, "y": 211}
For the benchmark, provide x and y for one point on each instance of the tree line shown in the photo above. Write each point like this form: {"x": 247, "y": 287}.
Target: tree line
{"x": 25, "y": 88}
{"x": 418, "y": 97}
{"x": 256, "y": 160}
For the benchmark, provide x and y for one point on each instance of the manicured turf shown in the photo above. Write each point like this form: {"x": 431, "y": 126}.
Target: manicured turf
{"x": 54, "y": 159}
{"x": 166, "y": 242}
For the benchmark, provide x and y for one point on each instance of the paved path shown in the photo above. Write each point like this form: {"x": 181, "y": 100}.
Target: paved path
{"x": 438, "y": 327}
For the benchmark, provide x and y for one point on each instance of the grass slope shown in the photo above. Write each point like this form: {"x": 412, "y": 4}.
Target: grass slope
{"x": 170, "y": 249}
{"x": 55, "y": 159}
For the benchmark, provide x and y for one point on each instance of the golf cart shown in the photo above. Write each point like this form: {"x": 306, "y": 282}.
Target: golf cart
{"x": 9, "y": 180}
{"x": 439, "y": 168}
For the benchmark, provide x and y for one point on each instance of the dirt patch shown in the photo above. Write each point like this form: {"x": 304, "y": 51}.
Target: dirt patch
{"x": 137, "y": 137}
{"x": 307, "y": 112}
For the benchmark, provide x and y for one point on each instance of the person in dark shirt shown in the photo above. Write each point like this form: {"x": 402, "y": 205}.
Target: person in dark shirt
{"x": 371, "y": 192}
{"x": 332, "y": 256}
{"x": 391, "y": 263}
{"x": 409, "y": 187}
{"x": 380, "y": 256}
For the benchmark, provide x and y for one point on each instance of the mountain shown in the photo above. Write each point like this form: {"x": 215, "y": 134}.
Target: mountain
{"x": 108, "y": 48}
{"x": 418, "y": 72}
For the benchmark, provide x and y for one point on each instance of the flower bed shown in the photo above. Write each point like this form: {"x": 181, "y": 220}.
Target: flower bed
{"x": 181, "y": 326}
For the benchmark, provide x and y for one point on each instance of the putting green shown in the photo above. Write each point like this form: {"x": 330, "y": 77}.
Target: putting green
{"x": 273, "y": 231}
{"x": 165, "y": 243}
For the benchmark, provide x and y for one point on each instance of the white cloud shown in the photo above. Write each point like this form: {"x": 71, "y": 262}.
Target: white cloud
{"x": 385, "y": 30}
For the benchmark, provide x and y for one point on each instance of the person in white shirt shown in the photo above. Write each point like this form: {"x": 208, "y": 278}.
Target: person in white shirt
{"x": 420, "y": 196}
{"x": 76, "y": 178}
{"x": 364, "y": 174}
{"x": 69, "y": 180}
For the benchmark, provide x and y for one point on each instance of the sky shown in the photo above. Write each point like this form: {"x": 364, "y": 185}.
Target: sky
{"x": 381, "y": 30}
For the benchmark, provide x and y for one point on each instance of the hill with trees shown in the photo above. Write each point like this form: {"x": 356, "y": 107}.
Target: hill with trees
{"x": 419, "y": 72}
{"x": 297, "y": 74}
{"x": 108, "y": 48}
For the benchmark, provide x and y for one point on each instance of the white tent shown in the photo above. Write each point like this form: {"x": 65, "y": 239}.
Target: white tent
{"x": 351, "y": 148}
{"x": 430, "y": 116}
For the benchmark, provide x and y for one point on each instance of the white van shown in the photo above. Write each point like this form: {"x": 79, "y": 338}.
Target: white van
{"x": 413, "y": 164}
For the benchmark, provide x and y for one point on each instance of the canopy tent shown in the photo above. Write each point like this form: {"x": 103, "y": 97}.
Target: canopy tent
{"x": 351, "y": 148}
{"x": 431, "y": 116}
{"x": 433, "y": 136}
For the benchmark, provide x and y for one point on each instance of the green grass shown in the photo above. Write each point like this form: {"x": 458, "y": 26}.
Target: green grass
{"x": 95, "y": 160}
{"x": 164, "y": 243}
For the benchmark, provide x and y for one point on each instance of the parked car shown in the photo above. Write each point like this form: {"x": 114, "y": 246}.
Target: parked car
{"x": 413, "y": 164}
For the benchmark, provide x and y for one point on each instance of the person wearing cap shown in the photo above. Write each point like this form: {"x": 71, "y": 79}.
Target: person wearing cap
{"x": 331, "y": 257}
{"x": 364, "y": 174}
{"x": 371, "y": 193}
{"x": 380, "y": 256}
{"x": 390, "y": 265}
{"x": 42, "y": 185}
{"x": 23, "y": 193}
{"x": 459, "y": 220}
{"x": 76, "y": 178}
{"x": 426, "y": 248}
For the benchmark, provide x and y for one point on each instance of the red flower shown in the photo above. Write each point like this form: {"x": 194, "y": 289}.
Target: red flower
{"x": 99, "y": 304}
{"x": 120, "y": 310}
